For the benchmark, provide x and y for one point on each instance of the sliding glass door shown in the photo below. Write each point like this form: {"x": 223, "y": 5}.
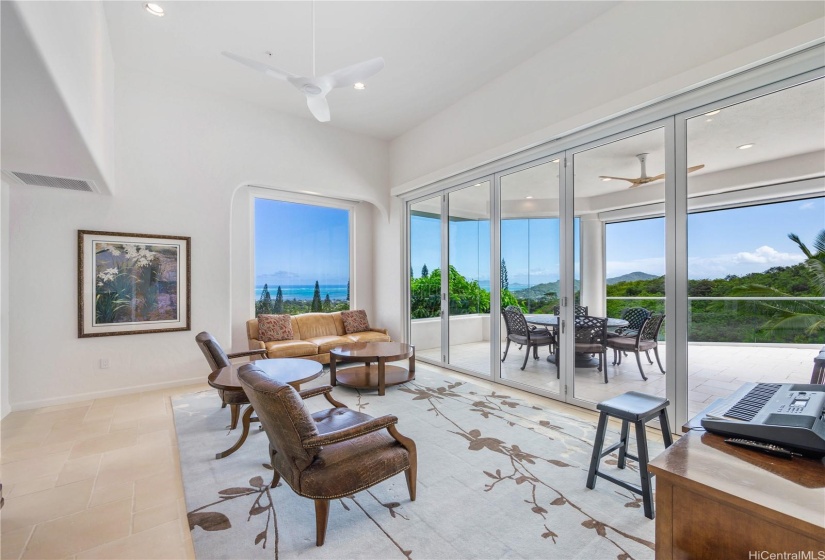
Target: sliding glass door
{"x": 425, "y": 277}
{"x": 530, "y": 271}
{"x": 468, "y": 285}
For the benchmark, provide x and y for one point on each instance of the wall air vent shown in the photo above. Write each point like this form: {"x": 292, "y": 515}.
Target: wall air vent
{"x": 54, "y": 182}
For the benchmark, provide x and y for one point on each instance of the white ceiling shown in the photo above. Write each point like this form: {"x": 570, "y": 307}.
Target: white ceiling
{"x": 435, "y": 52}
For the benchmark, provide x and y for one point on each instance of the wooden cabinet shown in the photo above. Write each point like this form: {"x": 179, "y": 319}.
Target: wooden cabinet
{"x": 715, "y": 500}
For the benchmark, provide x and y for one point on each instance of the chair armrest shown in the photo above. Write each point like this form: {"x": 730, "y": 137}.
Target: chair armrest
{"x": 382, "y": 331}
{"x": 259, "y": 352}
{"x": 351, "y": 432}
{"x": 325, "y": 390}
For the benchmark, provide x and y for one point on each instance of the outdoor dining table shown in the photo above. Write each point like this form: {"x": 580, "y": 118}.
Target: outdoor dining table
{"x": 552, "y": 321}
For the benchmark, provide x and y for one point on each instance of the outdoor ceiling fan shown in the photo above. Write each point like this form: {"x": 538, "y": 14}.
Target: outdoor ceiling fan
{"x": 316, "y": 88}
{"x": 644, "y": 179}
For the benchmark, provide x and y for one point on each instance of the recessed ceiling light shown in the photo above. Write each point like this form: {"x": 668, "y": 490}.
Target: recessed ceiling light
{"x": 477, "y": 185}
{"x": 528, "y": 197}
{"x": 359, "y": 85}
{"x": 716, "y": 112}
{"x": 709, "y": 120}
{"x": 154, "y": 9}
{"x": 606, "y": 179}
{"x": 744, "y": 146}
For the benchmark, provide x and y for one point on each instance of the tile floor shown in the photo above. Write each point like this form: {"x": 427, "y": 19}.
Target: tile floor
{"x": 101, "y": 479}
{"x": 715, "y": 370}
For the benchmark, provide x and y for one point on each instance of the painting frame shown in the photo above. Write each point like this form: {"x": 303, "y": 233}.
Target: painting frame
{"x": 133, "y": 256}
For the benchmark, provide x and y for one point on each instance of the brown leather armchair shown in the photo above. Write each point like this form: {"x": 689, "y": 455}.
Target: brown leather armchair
{"x": 217, "y": 359}
{"x": 328, "y": 454}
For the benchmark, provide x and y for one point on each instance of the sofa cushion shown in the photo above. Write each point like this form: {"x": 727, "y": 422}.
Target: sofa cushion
{"x": 316, "y": 324}
{"x": 369, "y": 336}
{"x": 290, "y": 349}
{"x": 274, "y": 327}
{"x": 355, "y": 321}
{"x": 326, "y": 343}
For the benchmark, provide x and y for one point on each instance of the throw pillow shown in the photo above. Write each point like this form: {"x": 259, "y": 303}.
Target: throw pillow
{"x": 274, "y": 327}
{"x": 355, "y": 321}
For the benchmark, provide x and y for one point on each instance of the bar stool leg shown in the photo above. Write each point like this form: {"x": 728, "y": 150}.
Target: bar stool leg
{"x": 666, "y": 435}
{"x": 597, "y": 451}
{"x": 641, "y": 443}
{"x": 625, "y": 443}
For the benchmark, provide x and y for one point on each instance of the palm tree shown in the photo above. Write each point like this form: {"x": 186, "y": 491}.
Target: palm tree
{"x": 807, "y": 316}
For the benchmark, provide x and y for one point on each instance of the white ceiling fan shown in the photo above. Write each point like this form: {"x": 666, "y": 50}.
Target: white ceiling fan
{"x": 644, "y": 179}
{"x": 316, "y": 88}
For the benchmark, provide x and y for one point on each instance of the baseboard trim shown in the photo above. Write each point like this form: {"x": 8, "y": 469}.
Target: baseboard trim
{"x": 28, "y": 405}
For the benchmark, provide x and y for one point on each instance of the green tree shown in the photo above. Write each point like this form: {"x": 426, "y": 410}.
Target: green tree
{"x": 264, "y": 304}
{"x": 347, "y": 291}
{"x": 278, "y": 306}
{"x": 327, "y": 307}
{"x": 424, "y": 271}
{"x": 807, "y": 316}
{"x": 316, "y": 298}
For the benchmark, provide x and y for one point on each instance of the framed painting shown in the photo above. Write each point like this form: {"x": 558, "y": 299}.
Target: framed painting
{"x": 131, "y": 283}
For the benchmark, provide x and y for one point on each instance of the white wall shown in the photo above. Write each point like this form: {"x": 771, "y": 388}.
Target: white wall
{"x": 5, "y": 407}
{"x": 631, "y": 55}
{"x": 73, "y": 43}
{"x": 181, "y": 154}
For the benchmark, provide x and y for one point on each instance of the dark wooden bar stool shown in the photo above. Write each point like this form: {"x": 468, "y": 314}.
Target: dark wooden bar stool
{"x": 637, "y": 408}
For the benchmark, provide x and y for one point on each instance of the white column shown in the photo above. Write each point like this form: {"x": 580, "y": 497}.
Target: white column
{"x": 592, "y": 262}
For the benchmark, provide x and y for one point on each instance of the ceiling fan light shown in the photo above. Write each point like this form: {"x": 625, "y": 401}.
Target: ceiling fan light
{"x": 359, "y": 86}
{"x": 154, "y": 9}
{"x": 745, "y": 146}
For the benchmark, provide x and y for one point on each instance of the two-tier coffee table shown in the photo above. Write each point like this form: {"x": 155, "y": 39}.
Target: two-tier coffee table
{"x": 375, "y": 372}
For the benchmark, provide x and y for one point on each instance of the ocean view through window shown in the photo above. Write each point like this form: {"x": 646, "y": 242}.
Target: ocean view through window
{"x": 302, "y": 258}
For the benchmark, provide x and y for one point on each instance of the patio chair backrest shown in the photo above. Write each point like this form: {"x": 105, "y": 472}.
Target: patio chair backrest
{"x": 635, "y": 316}
{"x": 515, "y": 321}
{"x": 591, "y": 330}
{"x": 650, "y": 330}
{"x": 580, "y": 310}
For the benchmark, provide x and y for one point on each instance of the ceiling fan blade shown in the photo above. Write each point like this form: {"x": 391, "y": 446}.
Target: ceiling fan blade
{"x": 355, "y": 73}
{"x": 618, "y": 178}
{"x": 695, "y": 168}
{"x": 319, "y": 107}
{"x": 260, "y": 66}
{"x": 656, "y": 178}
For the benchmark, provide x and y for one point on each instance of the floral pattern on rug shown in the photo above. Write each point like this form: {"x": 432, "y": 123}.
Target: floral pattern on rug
{"x": 507, "y": 460}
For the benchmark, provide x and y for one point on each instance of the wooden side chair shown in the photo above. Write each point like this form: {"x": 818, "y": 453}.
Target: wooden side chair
{"x": 644, "y": 341}
{"x": 521, "y": 333}
{"x": 217, "y": 359}
{"x": 329, "y": 454}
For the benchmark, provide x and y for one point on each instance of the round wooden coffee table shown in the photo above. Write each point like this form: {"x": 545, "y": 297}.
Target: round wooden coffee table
{"x": 292, "y": 371}
{"x": 375, "y": 372}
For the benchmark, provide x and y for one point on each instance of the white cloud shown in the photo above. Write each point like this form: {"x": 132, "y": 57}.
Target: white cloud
{"x": 807, "y": 205}
{"x": 744, "y": 262}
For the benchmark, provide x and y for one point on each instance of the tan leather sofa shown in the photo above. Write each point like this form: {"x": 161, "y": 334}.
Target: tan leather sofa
{"x": 314, "y": 334}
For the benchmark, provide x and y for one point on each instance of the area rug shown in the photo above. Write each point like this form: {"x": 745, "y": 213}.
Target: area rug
{"x": 497, "y": 478}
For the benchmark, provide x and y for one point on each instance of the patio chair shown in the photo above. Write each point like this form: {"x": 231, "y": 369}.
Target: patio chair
{"x": 591, "y": 336}
{"x": 520, "y": 332}
{"x": 636, "y": 317}
{"x": 644, "y": 341}
{"x": 217, "y": 359}
{"x": 580, "y": 310}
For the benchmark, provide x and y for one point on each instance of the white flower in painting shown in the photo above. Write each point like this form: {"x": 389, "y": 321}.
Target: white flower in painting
{"x": 114, "y": 251}
{"x": 131, "y": 250}
{"x": 145, "y": 257}
{"x": 107, "y": 275}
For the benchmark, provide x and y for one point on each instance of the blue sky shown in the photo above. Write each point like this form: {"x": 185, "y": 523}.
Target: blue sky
{"x": 736, "y": 241}
{"x": 300, "y": 243}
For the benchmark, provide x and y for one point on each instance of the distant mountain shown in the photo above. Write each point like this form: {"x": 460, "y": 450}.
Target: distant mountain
{"x": 540, "y": 290}
{"x": 630, "y": 277}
